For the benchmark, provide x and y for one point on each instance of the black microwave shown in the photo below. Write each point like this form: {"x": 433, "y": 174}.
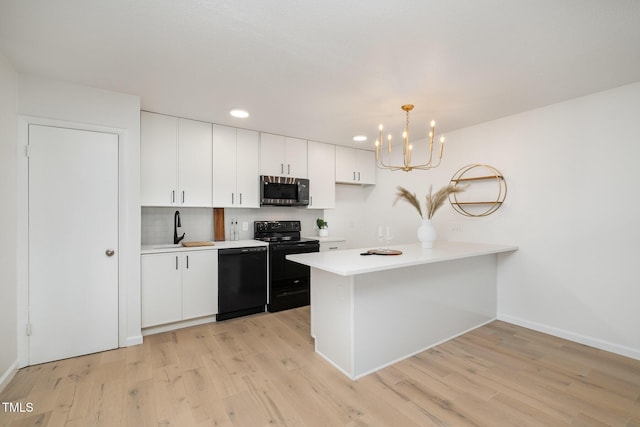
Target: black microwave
{"x": 283, "y": 191}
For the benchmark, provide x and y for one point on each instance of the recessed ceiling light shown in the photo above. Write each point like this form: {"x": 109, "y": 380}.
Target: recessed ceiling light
{"x": 239, "y": 113}
{"x": 359, "y": 138}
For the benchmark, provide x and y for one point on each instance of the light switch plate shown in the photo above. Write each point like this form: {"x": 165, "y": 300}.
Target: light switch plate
{"x": 245, "y": 226}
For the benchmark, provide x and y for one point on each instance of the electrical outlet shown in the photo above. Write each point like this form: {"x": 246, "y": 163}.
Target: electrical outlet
{"x": 245, "y": 226}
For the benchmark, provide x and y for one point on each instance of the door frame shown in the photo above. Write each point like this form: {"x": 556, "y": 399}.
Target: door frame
{"x": 23, "y": 227}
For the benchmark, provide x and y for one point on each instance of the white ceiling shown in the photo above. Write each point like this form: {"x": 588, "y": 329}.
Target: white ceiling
{"x": 328, "y": 70}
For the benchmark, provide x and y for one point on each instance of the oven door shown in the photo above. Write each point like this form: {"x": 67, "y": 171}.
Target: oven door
{"x": 283, "y": 269}
{"x": 289, "y": 282}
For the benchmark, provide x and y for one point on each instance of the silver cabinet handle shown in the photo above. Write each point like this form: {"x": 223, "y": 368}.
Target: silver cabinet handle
{"x": 173, "y": 196}
{"x": 109, "y": 252}
{"x": 358, "y": 178}
{"x": 354, "y": 175}
{"x": 288, "y": 169}
{"x": 233, "y": 199}
{"x": 240, "y": 198}
{"x": 183, "y": 197}
{"x": 281, "y": 167}
{"x": 176, "y": 262}
{"x": 310, "y": 200}
{"x": 187, "y": 262}
{"x": 333, "y": 247}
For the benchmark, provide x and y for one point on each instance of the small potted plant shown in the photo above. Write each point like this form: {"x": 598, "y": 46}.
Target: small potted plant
{"x": 323, "y": 227}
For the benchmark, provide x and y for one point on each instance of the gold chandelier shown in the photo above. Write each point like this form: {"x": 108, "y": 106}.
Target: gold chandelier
{"x": 408, "y": 148}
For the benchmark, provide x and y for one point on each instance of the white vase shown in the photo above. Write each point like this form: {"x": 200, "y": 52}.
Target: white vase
{"x": 323, "y": 232}
{"x": 427, "y": 233}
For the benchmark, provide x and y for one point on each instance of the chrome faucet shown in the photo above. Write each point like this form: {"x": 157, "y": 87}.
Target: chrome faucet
{"x": 177, "y": 223}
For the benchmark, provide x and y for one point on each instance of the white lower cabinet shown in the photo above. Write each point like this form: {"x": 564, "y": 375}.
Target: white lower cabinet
{"x": 333, "y": 246}
{"x": 179, "y": 286}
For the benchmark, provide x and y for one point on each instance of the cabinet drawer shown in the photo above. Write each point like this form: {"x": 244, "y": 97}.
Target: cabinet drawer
{"x": 332, "y": 246}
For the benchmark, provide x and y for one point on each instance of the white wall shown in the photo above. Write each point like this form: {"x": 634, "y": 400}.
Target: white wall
{"x": 572, "y": 172}
{"x": 8, "y": 219}
{"x": 50, "y": 99}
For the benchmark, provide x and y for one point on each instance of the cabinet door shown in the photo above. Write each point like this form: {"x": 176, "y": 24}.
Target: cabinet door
{"x": 332, "y": 246}
{"x": 158, "y": 160}
{"x": 366, "y": 166}
{"x": 295, "y": 164}
{"x": 322, "y": 173}
{"x": 248, "y": 178}
{"x": 194, "y": 163}
{"x": 345, "y": 165}
{"x": 224, "y": 166}
{"x": 199, "y": 284}
{"x": 161, "y": 289}
{"x": 272, "y": 155}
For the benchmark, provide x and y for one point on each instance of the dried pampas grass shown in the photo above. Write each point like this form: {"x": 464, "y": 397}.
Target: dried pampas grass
{"x": 404, "y": 194}
{"x": 434, "y": 201}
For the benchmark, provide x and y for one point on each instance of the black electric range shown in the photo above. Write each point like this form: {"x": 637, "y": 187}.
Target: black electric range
{"x": 288, "y": 281}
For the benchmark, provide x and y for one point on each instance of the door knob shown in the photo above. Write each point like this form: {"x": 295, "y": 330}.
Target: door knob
{"x": 109, "y": 252}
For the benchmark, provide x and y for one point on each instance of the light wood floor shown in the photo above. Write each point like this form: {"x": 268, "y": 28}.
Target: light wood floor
{"x": 262, "y": 370}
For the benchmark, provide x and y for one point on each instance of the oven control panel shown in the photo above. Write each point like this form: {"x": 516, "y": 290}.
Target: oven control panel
{"x": 276, "y": 226}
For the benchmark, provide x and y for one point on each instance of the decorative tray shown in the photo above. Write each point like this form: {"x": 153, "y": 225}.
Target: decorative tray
{"x": 382, "y": 251}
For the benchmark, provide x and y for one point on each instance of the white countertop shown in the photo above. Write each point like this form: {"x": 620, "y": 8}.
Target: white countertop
{"x": 326, "y": 239}
{"x": 227, "y": 244}
{"x": 350, "y": 262}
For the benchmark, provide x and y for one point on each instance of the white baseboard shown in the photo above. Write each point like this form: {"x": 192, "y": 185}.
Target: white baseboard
{"x": 572, "y": 336}
{"x": 131, "y": 341}
{"x": 8, "y": 375}
{"x": 151, "y": 330}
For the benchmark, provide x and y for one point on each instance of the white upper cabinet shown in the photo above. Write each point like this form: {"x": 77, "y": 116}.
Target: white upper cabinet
{"x": 322, "y": 171}
{"x": 158, "y": 159}
{"x": 355, "y": 166}
{"x": 194, "y": 163}
{"x": 283, "y": 156}
{"x": 176, "y": 163}
{"x": 235, "y": 167}
{"x": 248, "y": 164}
{"x": 366, "y": 166}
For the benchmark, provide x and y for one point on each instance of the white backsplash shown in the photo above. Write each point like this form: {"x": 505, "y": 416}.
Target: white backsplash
{"x": 197, "y": 223}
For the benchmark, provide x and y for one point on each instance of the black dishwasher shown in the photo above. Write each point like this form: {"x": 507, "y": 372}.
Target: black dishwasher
{"x": 242, "y": 281}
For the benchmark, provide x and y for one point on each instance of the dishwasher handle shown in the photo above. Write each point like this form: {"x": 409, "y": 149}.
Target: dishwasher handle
{"x": 237, "y": 251}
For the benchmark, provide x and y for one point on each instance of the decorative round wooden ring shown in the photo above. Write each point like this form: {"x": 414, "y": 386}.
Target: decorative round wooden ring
{"x": 463, "y": 176}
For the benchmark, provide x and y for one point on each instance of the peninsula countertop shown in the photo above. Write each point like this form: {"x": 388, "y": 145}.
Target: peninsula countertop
{"x": 350, "y": 262}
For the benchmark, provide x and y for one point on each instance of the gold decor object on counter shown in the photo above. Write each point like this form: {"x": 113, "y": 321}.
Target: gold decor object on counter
{"x": 407, "y": 148}
{"x": 486, "y": 183}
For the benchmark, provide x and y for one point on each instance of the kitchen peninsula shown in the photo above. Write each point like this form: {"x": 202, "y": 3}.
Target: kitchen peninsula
{"x": 368, "y": 312}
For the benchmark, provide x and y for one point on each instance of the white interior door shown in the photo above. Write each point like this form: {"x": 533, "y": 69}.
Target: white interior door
{"x": 73, "y": 242}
